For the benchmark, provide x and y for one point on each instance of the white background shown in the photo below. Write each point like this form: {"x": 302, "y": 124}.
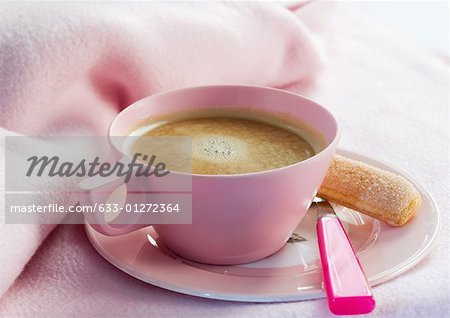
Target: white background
{"x": 428, "y": 21}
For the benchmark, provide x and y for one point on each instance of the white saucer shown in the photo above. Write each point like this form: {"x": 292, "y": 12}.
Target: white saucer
{"x": 293, "y": 273}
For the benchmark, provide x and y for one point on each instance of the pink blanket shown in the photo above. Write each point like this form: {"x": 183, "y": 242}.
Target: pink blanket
{"x": 69, "y": 68}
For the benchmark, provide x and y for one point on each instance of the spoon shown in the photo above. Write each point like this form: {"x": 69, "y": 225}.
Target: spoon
{"x": 346, "y": 285}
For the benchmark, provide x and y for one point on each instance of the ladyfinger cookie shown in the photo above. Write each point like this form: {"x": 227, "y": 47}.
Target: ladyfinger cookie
{"x": 370, "y": 190}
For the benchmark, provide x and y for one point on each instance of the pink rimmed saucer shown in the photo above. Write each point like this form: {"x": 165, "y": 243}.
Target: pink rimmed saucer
{"x": 293, "y": 273}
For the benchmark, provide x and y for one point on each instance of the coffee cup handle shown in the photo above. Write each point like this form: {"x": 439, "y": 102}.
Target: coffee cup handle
{"x": 95, "y": 193}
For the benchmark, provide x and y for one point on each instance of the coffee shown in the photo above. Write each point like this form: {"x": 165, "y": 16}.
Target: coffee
{"x": 234, "y": 141}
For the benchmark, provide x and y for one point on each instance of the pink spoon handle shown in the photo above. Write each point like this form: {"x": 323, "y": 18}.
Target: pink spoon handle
{"x": 345, "y": 282}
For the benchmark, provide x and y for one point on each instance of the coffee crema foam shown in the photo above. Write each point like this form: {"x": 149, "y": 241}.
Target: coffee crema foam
{"x": 234, "y": 142}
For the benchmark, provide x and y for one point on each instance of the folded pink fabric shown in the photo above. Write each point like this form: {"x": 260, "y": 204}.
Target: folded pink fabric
{"x": 68, "y": 68}
{"x": 72, "y": 66}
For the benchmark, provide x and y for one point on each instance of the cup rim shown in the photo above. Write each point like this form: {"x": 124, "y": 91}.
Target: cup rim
{"x": 318, "y": 155}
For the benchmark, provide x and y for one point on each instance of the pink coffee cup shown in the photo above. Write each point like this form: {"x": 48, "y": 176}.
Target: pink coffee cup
{"x": 235, "y": 218}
